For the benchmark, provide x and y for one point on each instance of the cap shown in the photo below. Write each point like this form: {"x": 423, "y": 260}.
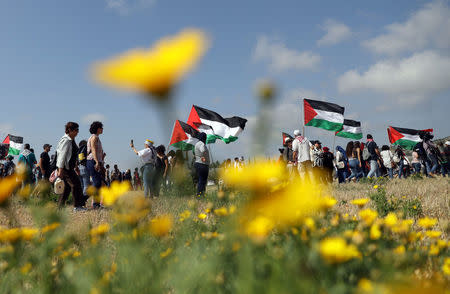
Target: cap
{"x": 297, "y": 133}
{"x": 47, "y": 145}
{"x": 148, "y": 142}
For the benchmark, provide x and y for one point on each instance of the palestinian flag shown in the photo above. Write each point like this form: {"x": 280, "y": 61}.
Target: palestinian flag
{"x": 324, "y": 115}
{"x": 215, "y": 126}
{"x": 15, "y": 144}
{"x": 286, "y": 135}
{"x": 351, "y": 129}
{"x": 184, "y": 136}
{"x": 407, "y": 138}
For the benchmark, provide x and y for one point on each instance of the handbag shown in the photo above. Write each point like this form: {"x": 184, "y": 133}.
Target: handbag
{"x": 59, "y": 186}
{"x": 340, "y": 164}
{"x": 53, "y": 176}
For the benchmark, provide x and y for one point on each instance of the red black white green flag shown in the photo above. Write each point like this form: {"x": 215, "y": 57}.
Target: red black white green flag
{"x": 15, "y": 144}
{"x": 324, "y": 115}
{"x": 351, "y": 129}
{"x": 407, "y": 138}
{"x": 184, "y": 136}
{"x": 285, "y": 136}
{"x": 215, "y": 126}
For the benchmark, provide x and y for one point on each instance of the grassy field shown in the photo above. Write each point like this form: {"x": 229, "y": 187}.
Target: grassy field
{"x": 217, "y": 244}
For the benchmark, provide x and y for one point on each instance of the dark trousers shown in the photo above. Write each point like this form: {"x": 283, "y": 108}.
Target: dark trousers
{"x": 71, "y": 183}
{"x": 95, "y": 176}
{"x": 202, "y": 175}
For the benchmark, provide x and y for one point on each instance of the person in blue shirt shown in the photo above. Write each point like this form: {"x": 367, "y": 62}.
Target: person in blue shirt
{"x": 28, "y": 159}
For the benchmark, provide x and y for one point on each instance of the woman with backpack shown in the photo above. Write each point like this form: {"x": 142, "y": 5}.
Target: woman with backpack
{"x": 341, "y": 164}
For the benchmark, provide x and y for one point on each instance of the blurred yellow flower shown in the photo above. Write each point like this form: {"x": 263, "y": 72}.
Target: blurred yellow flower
{"x": 375, "y": 232}
{"x": 336, "y": 250}
{"x": 433, "y": 234}
{"x": 112, "y": 193}
{"x": 360, "y": 202}
{"x": 201, "y": 216}
{"x": 375, "y": 187}
{"x": 390, "y": 220}
{"x": 328, "y": 202}
{"x": 50, "y": 227}
{"x": 368, "y": 216}
{"x": 365, "y": 286}
{"x": 7, "y": 186}
{"x": 259, "y": 177}
{"x": 99, "y": 230}
{"x": 266, "y": 90}
{"x": 26, "y": 268}
{"x": 10, "y": 235}
{"x": 434, "y": 250}
{"x": 427, "y": 223}
{"x": 185, "y": 215}
{"x": 156, "y": 70}
{"x": 446, "y": 266}
{"x": 28, "y": 233}
{"x": 221, "y": 211}
{"x": 161, "y": 225}
{"x": 259, "y": 228}
{"x": 400, "y": 250}
{"x": 310, "y": 224}
{"x": 402, "y": 226}
{"x": 166, "y": 253}
{"x": 24, "y": 192}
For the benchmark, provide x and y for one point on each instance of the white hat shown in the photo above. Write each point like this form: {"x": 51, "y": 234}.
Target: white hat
{"x": 59, "y": 186}
{"x": 287, "y": 139}
{"x": 148, "y": 142}
{"x": 297, "y": 133}
{"x": 447, "y": 142}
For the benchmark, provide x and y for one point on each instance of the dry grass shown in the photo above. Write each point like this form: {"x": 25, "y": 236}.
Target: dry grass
{"x": 432, "y": 193}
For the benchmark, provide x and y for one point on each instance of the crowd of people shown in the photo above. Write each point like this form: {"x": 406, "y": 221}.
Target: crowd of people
{"x": 358, "y": 160}
{"x": 82, "y": 165}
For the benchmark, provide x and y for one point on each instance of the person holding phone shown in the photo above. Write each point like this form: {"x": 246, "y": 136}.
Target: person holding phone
{"x": 148, "y": 157}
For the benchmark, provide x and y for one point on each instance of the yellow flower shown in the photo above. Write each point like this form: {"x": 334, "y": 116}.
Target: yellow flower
{"x": 259, "y": 228}
{"x": 24, "y": 192}
{"x": 201, "y": 216}
{"x": 91, "y": 191}
{"x": 100, "y": 230}
{"x": 185, "y": 215}
{"x": 157, "y": 70}
{"x": 390, "y": 220}
{"x": 335, "y": 250}
{"x": 375, "y": 232}
{"x": 328, "y": 202}
{"x": 222, "y": 211}
{"x": 232, "y": 209}
{"x": 446, "y": 266}
{"x": 29, "y": 233}
{"x": 365, "y": 286}
{"x": 26, "y": 268}
{"x": 400, "y": 250}
{"x": 403, "y": 226}
{"x": 266, "y": 90}
{"x": 434, "y": 250}
{"x": 7, "y": 186}
{"x": 427, "y": 223}
{"x": 433, "y": 234}
{"x": 368, "y": 216}
{"x": 260, "y": 177}
{"x": 161, "y": 225}
{"x": 310, "y": 224}
{"x": 375, "y": 187}
{"x": 50, "y": 227}
{"x": 360, "y": 202}
{"x": 166, "y": 253}
{"x": 10, "y": 235}
{"x": 111, "y": 194}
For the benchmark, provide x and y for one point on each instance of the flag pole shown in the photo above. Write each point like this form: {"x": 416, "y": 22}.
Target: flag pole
{"x": 334, "y": 142}
{"x": 303, "y": 118}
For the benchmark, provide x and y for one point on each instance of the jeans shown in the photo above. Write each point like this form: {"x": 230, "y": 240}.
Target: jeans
{"x": 148, "y": 175}
{"x": 434, "y": 163}
{"x": 341, "y": 173}
{"x": 373, "y": 169}
{"x": 445, "y": 169}
{"x": 390, "y": 171}
{"x": 417, "y": 167}
{"x": 84, "y": 177}
{"x": 202, "y": 175}
{"x": 355, "y": 169}
{"x": 400, "y": 170}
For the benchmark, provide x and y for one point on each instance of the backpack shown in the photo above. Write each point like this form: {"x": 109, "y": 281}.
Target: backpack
{"x": 320, "y": 159}
{"x": 53, "y": 162}
{"x": 82, "y": 155}
{"x": 420, "y": 150}
{"x": 153, "y": 156}
{"x": 366, "y": 154}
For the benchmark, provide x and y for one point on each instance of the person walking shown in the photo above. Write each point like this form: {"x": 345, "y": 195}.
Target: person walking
{"x": 161, "y": 168}
{"x": 66, "y": 162}
{"x": 44, "y": 162}
{"x": 148, "y": 157}
{"x": 137, "y": 180}
{"x": 301, "y": 148}
{"x": 400, "y": 156}
{"x": 328, "y": 166}
{"x": 388, "y": 160}
{"x": 431, "y": 153}
{"x": 372, "y": 148}
{"x": 28, "y": 159}
{"x": 341, "y": 164}
{"x": 95, "y": 157}
{"x": 201, "y": 164}
{"x": 82, "y": 159}
{"x": 417, "y": 166}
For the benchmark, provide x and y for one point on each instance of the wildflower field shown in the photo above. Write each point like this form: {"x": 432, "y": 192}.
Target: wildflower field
{"x": 258, "y": 232}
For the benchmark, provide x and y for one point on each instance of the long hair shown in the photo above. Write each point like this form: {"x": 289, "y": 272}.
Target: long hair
{"x": 349, "y": 148}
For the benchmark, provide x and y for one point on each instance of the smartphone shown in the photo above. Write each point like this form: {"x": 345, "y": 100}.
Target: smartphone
{"x": 132, "y": 142}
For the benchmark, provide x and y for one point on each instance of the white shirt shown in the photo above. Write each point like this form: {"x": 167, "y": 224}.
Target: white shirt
{"x": 146, "y": 155}
{"x": 386, "y": 155}
{"x": 302, "y": 148}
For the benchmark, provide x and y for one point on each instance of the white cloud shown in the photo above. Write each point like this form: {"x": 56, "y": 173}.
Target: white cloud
{"x": 91, "y": 117}
{"x": 281, "y": 58}
{"x": 335, "y": 32}
{"x": 410, "y": 79}
{"x": 5, "y": 129}
{"x": 427, "y": 28}
{"x": 126, "y": 6}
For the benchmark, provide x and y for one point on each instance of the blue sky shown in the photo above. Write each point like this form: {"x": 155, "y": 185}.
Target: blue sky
{"x": 387, "y": 62}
